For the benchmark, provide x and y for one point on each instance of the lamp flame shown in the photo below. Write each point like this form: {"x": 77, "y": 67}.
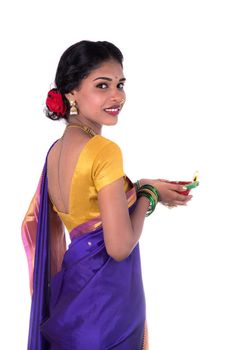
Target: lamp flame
{"x": 195, "y": 176}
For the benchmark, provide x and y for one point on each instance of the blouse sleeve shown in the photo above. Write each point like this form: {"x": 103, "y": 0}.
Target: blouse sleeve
{"x": 108, "y": 165}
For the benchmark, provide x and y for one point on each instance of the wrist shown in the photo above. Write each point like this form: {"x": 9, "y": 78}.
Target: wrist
{"x": 144, "y": 200}
{"x": 143, "y": 182}
{"x": 144, "y": 203}
{"x": 151, "y": 193}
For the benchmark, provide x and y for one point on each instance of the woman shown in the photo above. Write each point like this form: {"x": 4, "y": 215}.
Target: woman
{"x": 91, "y": 296}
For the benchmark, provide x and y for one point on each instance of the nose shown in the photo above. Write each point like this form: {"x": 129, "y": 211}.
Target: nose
{"x": 118, "y": 96}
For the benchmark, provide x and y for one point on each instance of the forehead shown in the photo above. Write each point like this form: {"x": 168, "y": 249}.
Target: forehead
{"x": 111, "y": 69}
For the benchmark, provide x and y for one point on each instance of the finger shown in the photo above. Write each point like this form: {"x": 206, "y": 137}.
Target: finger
{"x": 184, "y": 202}
{"x": 181, "y": 197}
{"x": 178, "y": 188}
{"x": 163, "y": 180}
{"x": 180, "y": 203}
{"x": 170, "y": 206}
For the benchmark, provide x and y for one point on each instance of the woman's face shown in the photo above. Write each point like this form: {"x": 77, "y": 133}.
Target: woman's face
{"x": 101, "y": 95}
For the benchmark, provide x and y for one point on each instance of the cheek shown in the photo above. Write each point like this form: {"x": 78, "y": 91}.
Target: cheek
{"x": 93, "y": 99}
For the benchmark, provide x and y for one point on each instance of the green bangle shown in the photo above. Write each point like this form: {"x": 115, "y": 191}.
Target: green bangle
{"x": 148, "y": 195}
{"x": 152, "y": 204}
{"x": 151, "y": 193}
{"x": 150, "y": 208}
{"x": 151, "y": 188}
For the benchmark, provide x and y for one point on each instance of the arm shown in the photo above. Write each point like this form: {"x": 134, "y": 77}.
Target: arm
{"x": 121, "y": 230}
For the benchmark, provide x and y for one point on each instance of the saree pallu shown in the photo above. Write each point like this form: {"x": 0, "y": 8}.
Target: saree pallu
{"x": 82, "y": 299}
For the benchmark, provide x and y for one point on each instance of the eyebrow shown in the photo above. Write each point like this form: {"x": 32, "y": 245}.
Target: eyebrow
{"x": 109, "y": 79}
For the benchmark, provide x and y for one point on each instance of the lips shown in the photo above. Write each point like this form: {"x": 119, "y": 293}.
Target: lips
{"x": 114, "y": 110}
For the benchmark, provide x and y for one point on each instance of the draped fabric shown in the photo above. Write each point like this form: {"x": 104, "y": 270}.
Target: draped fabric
{"x": 82, "y": 299}
{"x": 43, "y": 262}
{"x": 96, "y": 302}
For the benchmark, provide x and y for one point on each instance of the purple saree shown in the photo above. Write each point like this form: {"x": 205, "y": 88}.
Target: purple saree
{"x": 82, "y": 299}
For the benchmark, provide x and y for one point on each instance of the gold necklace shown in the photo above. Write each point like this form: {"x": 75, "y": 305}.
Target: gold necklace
{"x": 86, "y": 129}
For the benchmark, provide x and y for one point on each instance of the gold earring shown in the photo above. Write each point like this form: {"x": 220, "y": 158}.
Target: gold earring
{"x": 73, "y": 108}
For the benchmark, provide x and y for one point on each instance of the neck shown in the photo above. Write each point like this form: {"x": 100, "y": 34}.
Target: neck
{"x": 97, "y": 128}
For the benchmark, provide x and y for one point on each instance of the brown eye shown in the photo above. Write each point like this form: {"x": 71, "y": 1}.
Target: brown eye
{"x": 102, "y": 86}
{"x": 121, "y": 86}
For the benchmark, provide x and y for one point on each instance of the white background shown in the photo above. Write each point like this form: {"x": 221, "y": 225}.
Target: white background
{"x": 179, "y": 65}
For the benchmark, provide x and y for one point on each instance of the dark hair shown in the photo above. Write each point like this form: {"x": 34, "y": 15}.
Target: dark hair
{"x": 77, "y": 62}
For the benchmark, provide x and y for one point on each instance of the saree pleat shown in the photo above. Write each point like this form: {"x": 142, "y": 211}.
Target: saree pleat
{"x": 82, "y": 298}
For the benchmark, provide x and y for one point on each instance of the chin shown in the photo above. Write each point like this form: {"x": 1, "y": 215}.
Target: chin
{"x": 112, "y": 121}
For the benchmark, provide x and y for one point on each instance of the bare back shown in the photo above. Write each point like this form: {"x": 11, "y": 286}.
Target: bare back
{"x": 62, "y": 160}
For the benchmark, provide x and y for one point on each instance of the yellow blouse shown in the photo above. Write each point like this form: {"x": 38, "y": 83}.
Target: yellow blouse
{"x": 99, "y": 164}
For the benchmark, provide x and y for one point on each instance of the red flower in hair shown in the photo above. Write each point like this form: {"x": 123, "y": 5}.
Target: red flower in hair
{"x": 55, "y": 103}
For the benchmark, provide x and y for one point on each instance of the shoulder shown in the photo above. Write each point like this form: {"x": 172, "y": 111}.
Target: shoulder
{"x": 102, "y": 141}
{"x": 106, "y": 148}
{"x": 108, "y": 163}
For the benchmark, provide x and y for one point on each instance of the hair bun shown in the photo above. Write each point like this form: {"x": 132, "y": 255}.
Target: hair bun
{"x": 55, "y": 103}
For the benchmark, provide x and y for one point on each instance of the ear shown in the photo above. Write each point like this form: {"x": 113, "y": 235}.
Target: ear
{"x": 71, "y": 95}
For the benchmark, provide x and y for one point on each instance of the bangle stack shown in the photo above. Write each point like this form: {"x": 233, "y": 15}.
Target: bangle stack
{"x": 149, "y": 192}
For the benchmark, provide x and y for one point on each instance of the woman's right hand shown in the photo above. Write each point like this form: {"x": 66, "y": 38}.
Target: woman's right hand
{"x": 168, "y": 192}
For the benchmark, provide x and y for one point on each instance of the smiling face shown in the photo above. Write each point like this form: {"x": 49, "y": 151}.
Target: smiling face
{"x": 100, "y": 96}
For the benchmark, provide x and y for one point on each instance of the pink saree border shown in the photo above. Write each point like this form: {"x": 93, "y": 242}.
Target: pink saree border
{"x": 29, "y": 230}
